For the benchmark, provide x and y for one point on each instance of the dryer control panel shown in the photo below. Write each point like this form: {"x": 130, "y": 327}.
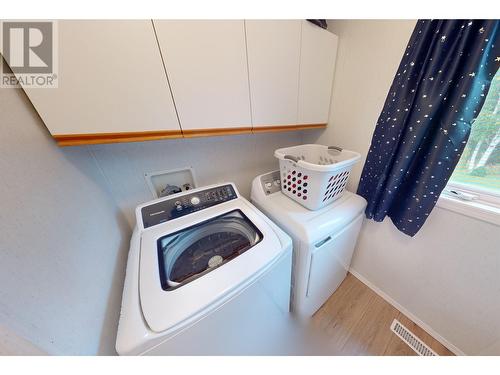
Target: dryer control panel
{"x": 175, "y": 207}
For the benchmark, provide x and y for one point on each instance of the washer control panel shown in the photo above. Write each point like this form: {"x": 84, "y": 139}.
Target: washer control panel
{"x": 175, "y": 207}
{"x": 271, "y": 182}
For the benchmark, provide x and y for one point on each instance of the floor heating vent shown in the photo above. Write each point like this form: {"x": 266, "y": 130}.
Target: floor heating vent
{"x": 411, "y": 340}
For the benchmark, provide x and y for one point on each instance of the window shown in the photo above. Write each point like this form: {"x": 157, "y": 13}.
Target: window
{"x": 476, "y": 177}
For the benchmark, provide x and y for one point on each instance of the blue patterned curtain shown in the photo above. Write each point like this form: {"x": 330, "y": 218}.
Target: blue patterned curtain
{"x": 438, "y": 91}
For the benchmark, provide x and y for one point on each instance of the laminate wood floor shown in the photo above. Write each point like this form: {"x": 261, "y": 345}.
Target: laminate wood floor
{"x": 356, "y": 321}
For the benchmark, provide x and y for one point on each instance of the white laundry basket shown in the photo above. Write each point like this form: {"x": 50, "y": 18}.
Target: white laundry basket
{"x": 315, "y": 175}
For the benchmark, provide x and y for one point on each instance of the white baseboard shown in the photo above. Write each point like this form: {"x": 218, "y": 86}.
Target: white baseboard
{"x": 406, "y": 312}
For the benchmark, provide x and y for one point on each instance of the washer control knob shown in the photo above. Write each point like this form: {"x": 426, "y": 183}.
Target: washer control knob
{"x": 195, "y": 201}
{"x": 277, "y": 182}
{"x": 268, "y": 185}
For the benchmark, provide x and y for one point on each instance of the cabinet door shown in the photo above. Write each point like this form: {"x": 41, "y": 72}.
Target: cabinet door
{"x": 206, "y": 65}
{"x": 111, "y": 81}
{"x": 317, "y": 66}
{"x": 273, "y": 62}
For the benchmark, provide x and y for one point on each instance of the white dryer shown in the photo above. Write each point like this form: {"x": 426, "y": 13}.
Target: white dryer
{"x": 323, "y": 240}
{"x": 207, "y": 273}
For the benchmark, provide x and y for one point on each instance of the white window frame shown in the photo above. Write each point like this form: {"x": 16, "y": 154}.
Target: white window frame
{"x": 472, "y": 201}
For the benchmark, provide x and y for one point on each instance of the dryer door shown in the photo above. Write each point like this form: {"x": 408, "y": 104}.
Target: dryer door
{"x": 330, "y": 262}
{"x": 193, "y": 252}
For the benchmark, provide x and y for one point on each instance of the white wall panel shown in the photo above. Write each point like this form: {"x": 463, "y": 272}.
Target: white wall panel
{"x": 63, "y": 241}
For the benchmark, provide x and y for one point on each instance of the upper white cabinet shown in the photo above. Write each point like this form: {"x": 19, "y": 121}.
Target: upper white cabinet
{"x": 273, "y": 48}
{"x": 317, "y": 67}
{"x": 206, "y": 64}
{"x": 111, "y": 81}
{"x": 135, "y": 80}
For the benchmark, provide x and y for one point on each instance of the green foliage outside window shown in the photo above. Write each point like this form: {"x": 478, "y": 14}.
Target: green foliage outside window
{"x": 480, "y": 163}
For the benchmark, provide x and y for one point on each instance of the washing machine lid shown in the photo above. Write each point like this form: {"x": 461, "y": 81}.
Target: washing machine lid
{"x": 195, "y": 251}
{"x": 309, "y": 225}
{"x": 193, "y": 264}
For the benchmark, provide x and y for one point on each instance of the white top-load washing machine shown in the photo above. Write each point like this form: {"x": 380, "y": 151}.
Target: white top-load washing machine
{"x": 323, "y": 240}
{"x": 207, "y": 273}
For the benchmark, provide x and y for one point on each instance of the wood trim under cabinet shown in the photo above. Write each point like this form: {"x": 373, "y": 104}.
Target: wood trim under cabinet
{"x": 286, "y": 128}
{"x": 64, "y": 140}
{"x": 96, "y": 138}
{"x": 191, "y": 133}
